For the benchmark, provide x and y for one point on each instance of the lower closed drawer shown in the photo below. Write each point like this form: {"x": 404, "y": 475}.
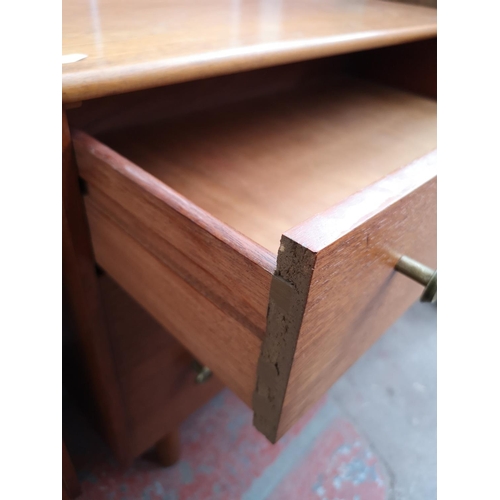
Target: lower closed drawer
{"x": 264, "y": 235}
{"x": 157, "y": 375}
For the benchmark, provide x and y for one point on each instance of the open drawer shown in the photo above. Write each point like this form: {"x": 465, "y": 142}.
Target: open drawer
{"x": 264, "y": 235}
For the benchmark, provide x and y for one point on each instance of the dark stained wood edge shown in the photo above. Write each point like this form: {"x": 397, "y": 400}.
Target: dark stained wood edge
{"x": 82, "y": 292}
{"x": 287, "y": 302}
{"x": 291, "y": 283}
{"x": 83, "y": 85}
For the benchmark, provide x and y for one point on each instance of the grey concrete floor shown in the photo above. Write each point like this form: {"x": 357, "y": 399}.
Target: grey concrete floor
{"x": 390, "y": 395}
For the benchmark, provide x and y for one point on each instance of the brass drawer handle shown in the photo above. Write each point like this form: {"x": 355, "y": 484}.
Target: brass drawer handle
{"x": 421, "y": 274}
{"x": 203, "y": 373}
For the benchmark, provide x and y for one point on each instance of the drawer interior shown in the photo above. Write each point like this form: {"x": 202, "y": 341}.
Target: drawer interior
{"x": 282, "y": 152}
{"x": 266, "y": 165}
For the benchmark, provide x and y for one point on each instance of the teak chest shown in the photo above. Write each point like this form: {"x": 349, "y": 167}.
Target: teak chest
{"x": 247, "y": 176}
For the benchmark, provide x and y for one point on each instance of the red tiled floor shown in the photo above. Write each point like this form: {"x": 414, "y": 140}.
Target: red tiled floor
{"x": 224, "y": 457}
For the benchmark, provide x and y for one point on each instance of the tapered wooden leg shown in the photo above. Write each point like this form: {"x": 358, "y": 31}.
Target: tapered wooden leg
{"x": 168, "y": 449}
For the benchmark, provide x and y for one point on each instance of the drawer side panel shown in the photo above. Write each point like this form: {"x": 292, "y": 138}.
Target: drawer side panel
{"x": 212, "y": 336}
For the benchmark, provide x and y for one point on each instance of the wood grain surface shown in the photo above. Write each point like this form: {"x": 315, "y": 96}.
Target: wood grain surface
{"x": 156, "y": 374}
{"x": 132, "y": 44}
{"x": 213, "y": 336}
{"x": 83, "y": 298}
{"x": 115, "y": 112}
{"x": 230, "y": 270}
{"x": 335, "y": 290}
{"x": 266, "y": 165}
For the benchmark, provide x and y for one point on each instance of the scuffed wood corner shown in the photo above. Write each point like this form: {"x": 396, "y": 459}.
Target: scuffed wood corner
{"x": 287, "y": 302}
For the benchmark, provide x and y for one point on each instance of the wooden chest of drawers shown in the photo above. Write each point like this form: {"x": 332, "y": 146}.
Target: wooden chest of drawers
{"x": 256, "y": 215}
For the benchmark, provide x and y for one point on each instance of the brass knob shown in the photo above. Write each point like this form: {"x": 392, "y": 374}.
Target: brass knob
{"x": 421, "y": 274}
{"x": 203, "y": 373}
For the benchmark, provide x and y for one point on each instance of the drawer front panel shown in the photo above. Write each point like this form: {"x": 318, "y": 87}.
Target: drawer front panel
{"x": 336, "y": 290}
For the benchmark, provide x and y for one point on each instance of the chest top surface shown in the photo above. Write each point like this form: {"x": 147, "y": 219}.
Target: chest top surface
{"x": 136, "y": 44}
